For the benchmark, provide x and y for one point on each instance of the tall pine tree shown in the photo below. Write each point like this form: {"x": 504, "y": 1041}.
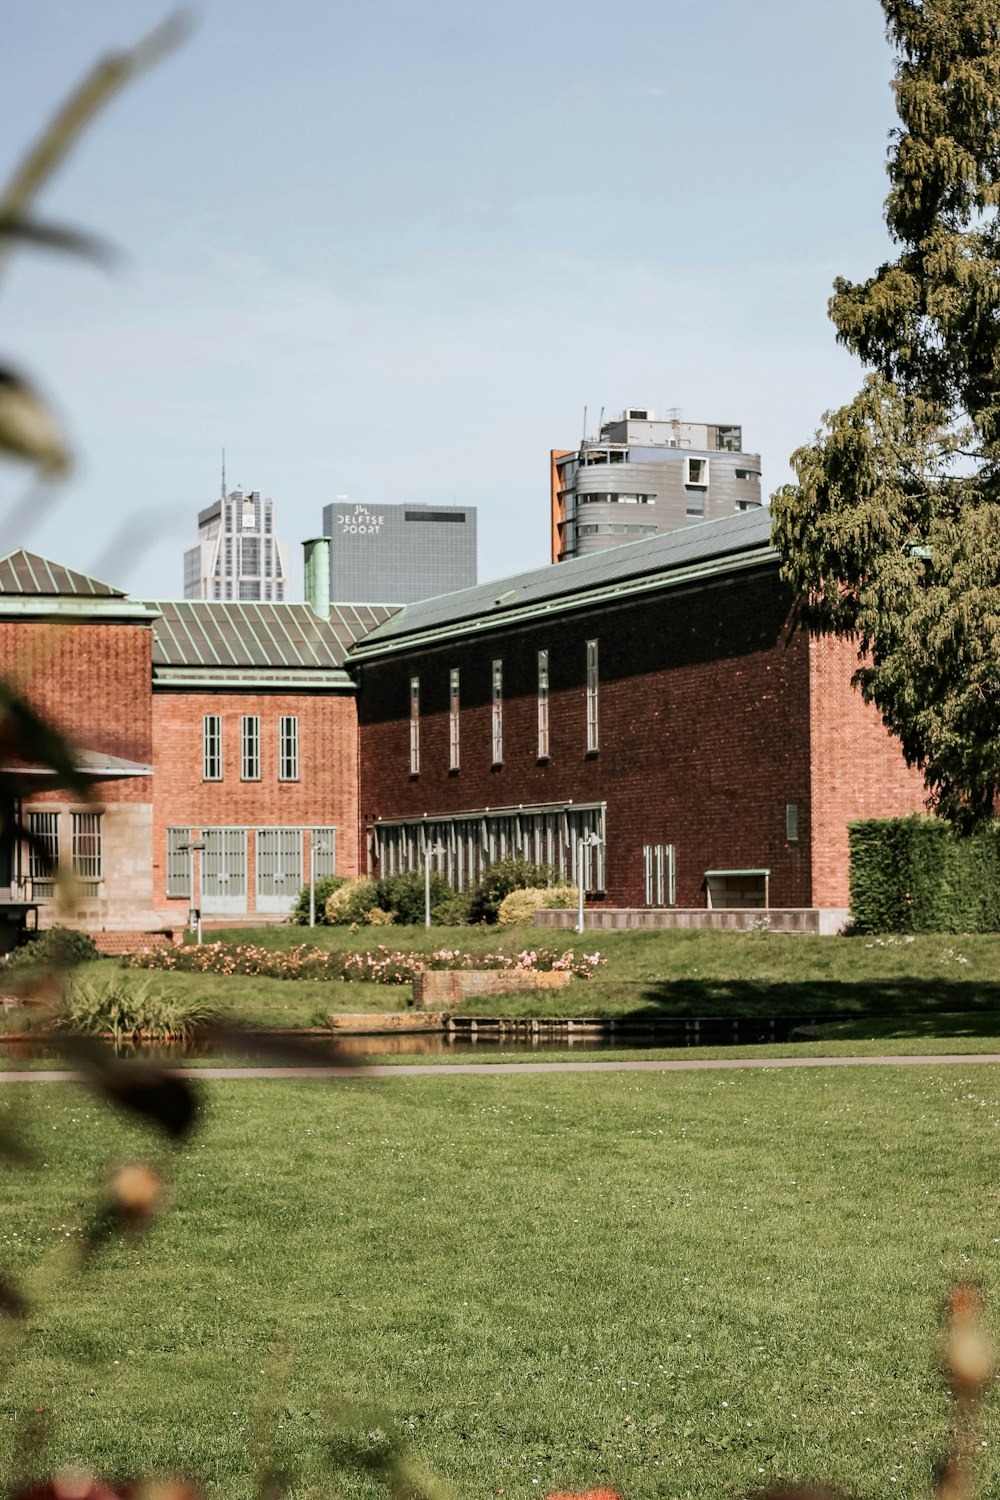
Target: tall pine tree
{"x": 891, "y": 535}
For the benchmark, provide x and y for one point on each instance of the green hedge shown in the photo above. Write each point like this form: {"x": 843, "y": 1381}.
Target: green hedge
{"x": 916, "y": 875}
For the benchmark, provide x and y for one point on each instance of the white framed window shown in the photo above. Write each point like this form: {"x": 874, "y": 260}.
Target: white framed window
{"x": 497, "y": 720}
{"x": 178, "y": 863}
{"x": 593, "y": 722}
{"x": 660, "y": 874}
{"x": 211, "y": 747}
{"x": 414, "y": 726}
{"x": 43, "y": 853}
{"x": 454, "y": 712}
{"x": 88, "y": 859}
{"x": 543, "y": 705}
{"x": 288, "y": 747}
{"x": 251, "y": 748}
{"x": 696, "y": 472}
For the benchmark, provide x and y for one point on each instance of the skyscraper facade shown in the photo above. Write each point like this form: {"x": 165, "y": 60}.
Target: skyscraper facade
{"x": 396, "y": 554}
{"x": 237, "y": 555}
{"x": 641, "y": 476}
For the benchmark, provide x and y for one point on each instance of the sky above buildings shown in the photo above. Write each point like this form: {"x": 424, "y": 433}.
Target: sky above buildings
{"x": 393, "y": 250}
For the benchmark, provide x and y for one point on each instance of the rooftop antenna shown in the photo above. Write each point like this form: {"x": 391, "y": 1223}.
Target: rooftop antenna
{"x": 584, "y": 425}
{"x": 600, "y": 425}
{"x": 223, "y": 473}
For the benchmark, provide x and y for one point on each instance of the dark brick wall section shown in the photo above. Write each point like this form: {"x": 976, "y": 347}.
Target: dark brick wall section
{"x": 704, "y": 732}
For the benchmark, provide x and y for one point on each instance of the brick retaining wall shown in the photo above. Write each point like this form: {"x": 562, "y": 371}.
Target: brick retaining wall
{"x": 445, "y": 988}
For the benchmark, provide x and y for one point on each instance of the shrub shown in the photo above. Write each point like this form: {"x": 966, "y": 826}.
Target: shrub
{"x": 351, "y": 901}
{"x": 376, "y": 916}
{"x": 325, "y": 887}
{"x": 453, "y": 911}
{"x": 129, "y": 1009}
{"x": 916, "y": 875}
{"x": 521, "y": 905}
{"x": 56, "y": 948}
{"x": 500, "y": 879}
{"x": 404, "y": 894}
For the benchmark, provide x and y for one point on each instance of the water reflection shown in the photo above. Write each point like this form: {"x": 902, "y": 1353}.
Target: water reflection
{"x": 312, "y": 1049}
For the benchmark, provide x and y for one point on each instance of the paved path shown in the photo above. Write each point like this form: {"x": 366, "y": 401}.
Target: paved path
{"x": 422, "y": 1070}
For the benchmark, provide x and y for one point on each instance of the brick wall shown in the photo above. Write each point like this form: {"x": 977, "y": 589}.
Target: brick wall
{"x": 858, "y": 770}
{"x": 92, "y": 681}
{"x": 325, "y": 795}
{"x": 704, "y": 732}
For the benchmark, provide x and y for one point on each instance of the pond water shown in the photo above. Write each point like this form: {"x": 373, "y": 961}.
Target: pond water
{"x": 311, "y": 1049}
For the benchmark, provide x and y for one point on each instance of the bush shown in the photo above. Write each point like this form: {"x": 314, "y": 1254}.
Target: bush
{"x": 453, "y": 911}
{"x": 500, "y": 879}
{"x": 325, "y": 887}
{"x": 55, "y": 948}
{"x": 521, "y": 905}
{"x": 404, "y": 894}
{"x": 351, "y": 902}
{"x": 916, "y": 875}
{"x": 129, "y": 1009}
{"x": 376, "y": 916}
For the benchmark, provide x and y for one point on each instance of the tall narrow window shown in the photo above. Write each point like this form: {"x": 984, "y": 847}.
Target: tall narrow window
{"x": 414, "y": 726}
{"x": 497, "y": 712}
{"x": 87, "y": 852}
{"x": 660, "y": 873}
{"x": 454, "y": 707}
{"x": 211, "y": 748}
{"x": 288, "y": 748}
{"x": 593, "y": 726}
{"x": 251, "y": 747}
{"x": 543, "y": 705}
{"x": 43, "y": 853}
{"x": 178, "y": 862}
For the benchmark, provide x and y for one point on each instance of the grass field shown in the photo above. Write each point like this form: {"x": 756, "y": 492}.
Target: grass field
{"x": 677, "y": 1285}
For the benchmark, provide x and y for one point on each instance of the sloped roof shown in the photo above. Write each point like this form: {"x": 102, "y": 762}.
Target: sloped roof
{"x": 230, "y": 636}
{"x": 709, "y": 546}
{"x": 23, "y": 572}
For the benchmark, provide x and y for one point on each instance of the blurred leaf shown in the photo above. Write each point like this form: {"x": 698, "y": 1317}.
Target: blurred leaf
{"x": 56, "y": 237}
{"x": 158, "y": 1097}
{"x": 100, "y": 85}
{"x": 28, "y": 430}
{"x": 28, "y": 738}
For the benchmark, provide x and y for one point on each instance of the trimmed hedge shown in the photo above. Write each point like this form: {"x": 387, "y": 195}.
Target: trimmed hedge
{"x": 915, "y": 875}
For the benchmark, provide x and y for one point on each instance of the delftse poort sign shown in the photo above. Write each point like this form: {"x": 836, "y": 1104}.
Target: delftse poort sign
{"x": 360, "y": 521}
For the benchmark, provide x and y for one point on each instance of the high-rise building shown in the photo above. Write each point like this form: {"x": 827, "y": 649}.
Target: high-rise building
{"x": 237, "y": 555}
{"x": 641, "y": 476}
{"x": 397, "y": 554}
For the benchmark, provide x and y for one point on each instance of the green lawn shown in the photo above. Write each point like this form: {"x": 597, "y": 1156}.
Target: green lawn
{"x": 674, "y": 1284}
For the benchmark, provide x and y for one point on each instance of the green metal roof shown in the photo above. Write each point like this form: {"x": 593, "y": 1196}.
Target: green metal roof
{"x": 227, "y": 637}
{"x": 24, "y": 573}
{"x": 709, "y": 549}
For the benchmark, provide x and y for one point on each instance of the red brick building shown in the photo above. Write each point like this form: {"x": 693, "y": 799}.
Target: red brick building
{"x": 653, "y": 701}
{"x": 227, "y": 725}
{"x": 648, "y": 712}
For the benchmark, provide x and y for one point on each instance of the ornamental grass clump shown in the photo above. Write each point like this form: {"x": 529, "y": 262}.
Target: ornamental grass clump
{"x": 129, "y": 1010}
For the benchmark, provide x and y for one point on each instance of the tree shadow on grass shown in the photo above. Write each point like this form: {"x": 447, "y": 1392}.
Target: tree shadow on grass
{"x": 770, "y": 1010}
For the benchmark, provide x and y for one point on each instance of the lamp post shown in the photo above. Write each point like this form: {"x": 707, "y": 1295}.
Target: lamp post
{"x": 314, "y": 848}
{"x": 585, "y": 842}
{"x": 194, "y": 920}
{"x": 437, "y": 849}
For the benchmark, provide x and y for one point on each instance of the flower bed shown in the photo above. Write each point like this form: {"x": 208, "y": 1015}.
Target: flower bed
{"x": 379, "y": 965}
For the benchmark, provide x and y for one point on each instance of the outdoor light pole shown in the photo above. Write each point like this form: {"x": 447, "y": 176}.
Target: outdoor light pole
{"x": 437, "y": 849}
{"x": 314, "y": 849}
{"x": 587, "y": 841}
{"x": 195, "y": 919}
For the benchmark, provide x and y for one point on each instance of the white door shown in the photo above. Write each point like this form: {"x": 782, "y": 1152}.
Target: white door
{"x": 279, "y": 868}
{"x": 224, "y": 870}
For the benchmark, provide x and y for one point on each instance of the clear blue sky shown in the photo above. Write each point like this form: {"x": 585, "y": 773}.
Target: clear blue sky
{"x": 391, "y": 250}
